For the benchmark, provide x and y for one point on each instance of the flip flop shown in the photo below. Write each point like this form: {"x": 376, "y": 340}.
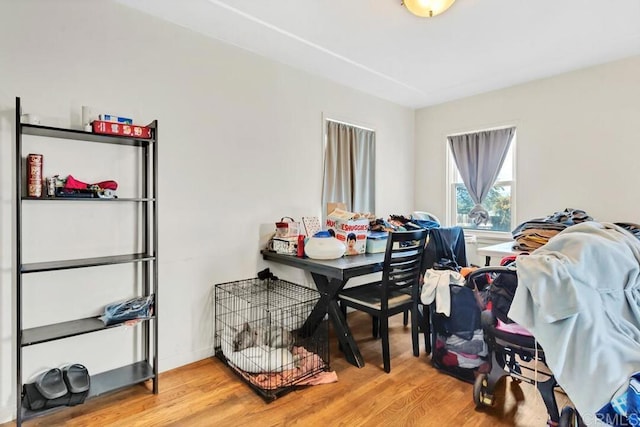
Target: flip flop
{"x": 76, "y": 377}
{"x": 78, "y": 382}
{"x": 51, "y": 385}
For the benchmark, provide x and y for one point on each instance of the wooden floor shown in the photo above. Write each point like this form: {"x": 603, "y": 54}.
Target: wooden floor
{"x": 207, "y": 393}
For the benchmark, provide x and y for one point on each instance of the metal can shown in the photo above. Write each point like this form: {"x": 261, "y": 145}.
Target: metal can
{"x": 51, "y": 186}
{"x": 34, "y": 175}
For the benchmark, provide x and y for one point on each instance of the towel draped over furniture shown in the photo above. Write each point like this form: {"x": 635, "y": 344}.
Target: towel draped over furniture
{"x": 580, "y": 297}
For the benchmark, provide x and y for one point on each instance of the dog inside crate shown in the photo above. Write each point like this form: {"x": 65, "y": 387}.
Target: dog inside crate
{"x": 259, "y": 333}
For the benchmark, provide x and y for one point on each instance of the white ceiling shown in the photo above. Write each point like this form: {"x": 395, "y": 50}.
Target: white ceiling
{"x": 378, "y": 47}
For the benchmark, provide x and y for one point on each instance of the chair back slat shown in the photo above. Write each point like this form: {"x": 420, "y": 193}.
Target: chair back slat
{"x": 402, "y": 262}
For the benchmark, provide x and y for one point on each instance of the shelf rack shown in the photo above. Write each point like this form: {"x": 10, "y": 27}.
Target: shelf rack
{"x": 124, "y": 376}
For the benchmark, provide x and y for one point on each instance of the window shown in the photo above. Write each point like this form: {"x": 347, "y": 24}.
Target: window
{"x": 349, "y": 166}
{"x": 498, "y": 202}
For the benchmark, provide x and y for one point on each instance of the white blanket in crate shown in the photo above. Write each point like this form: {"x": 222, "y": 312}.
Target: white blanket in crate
{"x": 259, "y": 359}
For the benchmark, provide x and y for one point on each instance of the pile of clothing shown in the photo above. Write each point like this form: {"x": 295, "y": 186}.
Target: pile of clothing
{"x": 534, "y": 233}
{"x": 455, "y": 351}
{"x": 630, "y": 227}
{"x": 401, "y": 223}
{"x": 459, "y": 336}
{"x": 579, "y": 296}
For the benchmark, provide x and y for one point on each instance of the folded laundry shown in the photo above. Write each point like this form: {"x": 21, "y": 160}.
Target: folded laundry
{"x": 476, "y": 345}
{"x": 131, "y": 309}
{"x": 454, "y": 359}
{"x": 536, "y": 232}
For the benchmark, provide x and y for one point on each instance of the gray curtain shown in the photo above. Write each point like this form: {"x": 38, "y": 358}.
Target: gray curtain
{"x": 349, "y": 167}
{"x": 479, "y": 157}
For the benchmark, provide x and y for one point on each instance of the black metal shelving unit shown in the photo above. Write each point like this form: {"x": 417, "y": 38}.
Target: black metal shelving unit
{"x": 124, "y": 376}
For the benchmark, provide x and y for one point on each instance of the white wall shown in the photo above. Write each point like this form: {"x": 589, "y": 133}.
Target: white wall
{"x": 578, "y": 142}
{"x": 240, "y": 140}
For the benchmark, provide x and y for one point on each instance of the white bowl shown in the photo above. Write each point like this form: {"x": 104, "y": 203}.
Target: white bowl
{"x": 324, "y": 246}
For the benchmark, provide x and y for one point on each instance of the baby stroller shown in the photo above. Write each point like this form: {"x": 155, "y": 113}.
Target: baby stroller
{"x": 512, "y": 350}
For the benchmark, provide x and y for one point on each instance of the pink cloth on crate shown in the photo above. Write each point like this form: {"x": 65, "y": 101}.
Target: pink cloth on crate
{"x": 321, "y": 378}
{"x": 512, "y": 328}
{"x": 308, "y": 362}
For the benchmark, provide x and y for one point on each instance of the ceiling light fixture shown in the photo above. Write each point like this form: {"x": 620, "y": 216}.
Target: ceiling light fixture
{"x": 427, "y": 8}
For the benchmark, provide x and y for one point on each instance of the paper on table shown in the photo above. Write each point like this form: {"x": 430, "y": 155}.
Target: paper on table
{"x": 311, "y": 225}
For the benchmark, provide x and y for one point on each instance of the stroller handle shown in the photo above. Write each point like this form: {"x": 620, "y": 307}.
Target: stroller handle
{"x": 475, "y": 274}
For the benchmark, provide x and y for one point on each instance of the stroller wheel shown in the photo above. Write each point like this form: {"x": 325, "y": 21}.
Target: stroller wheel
{"x": 567, "y": 417}
{"x": 480, "y": 396}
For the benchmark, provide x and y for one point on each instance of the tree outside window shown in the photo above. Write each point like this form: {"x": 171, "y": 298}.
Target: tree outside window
{"x": 498, "y": 203}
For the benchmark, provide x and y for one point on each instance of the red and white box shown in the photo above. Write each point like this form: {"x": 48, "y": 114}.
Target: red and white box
{"x": 352, "y": 232}
{"x": 121, "y": 129}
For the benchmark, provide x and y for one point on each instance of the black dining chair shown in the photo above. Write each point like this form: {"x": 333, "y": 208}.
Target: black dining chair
{"x": 399, "y": 289}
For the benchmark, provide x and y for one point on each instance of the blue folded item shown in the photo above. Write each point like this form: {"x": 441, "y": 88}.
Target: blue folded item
{"x": 425, "y": 223}
{"x": 625, "y": 409}
{"x": 132, "y": 309}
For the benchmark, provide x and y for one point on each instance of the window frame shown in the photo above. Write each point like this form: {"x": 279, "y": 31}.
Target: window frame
{"x": 452, "y": 171}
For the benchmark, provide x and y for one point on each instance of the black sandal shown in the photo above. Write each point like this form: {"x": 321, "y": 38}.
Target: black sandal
{"x": 78, "y": 382}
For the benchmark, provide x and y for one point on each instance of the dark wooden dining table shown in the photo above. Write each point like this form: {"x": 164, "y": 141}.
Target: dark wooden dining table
{"x": 330, "y": 277}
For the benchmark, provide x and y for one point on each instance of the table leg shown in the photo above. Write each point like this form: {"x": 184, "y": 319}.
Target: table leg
{"x": 328, "y": 304}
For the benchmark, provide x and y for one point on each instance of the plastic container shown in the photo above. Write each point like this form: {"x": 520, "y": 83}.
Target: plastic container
{"x": 324, "y": 246}
{"x": 377, "y": 242}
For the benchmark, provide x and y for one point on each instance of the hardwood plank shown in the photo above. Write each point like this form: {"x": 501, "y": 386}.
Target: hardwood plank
{"x": 207, "y": 393}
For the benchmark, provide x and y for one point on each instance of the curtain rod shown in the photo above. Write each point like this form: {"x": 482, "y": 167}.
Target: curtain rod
{"x": 482, "y": 130}
{"x": 348, "y": 124}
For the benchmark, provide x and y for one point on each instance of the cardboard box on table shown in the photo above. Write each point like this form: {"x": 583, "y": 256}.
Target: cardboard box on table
{"x": 332, "y": 206}
{"x": 343, "y": 224}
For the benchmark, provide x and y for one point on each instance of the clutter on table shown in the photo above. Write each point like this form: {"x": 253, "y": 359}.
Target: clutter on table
{"x": 359, "y": 232}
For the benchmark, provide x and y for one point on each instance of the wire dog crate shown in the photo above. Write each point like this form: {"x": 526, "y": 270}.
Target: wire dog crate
{"x": 259, "y": 334}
